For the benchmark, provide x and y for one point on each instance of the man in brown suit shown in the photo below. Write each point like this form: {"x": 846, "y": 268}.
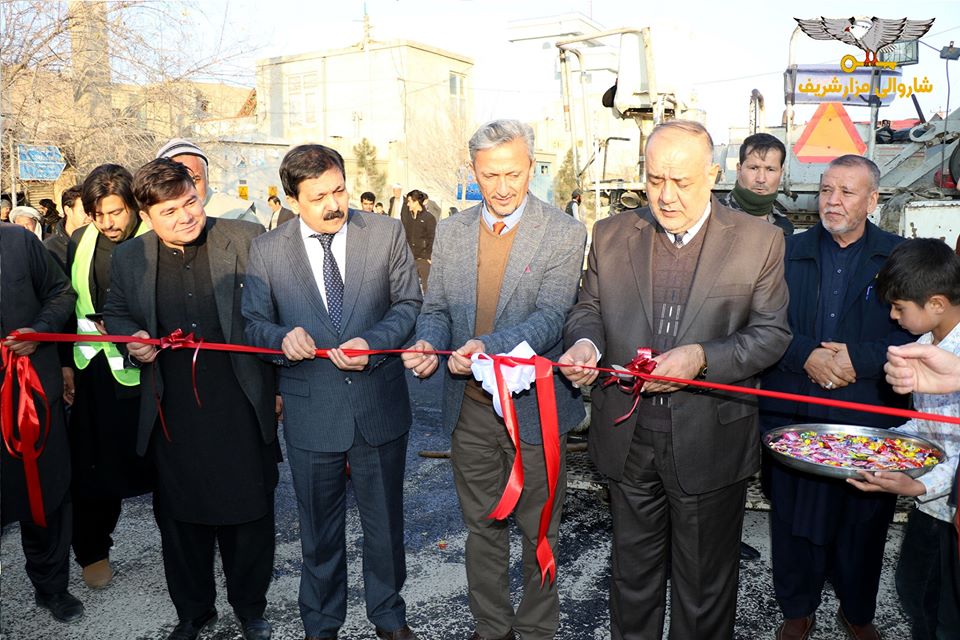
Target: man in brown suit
{"x": 703, "y": 286}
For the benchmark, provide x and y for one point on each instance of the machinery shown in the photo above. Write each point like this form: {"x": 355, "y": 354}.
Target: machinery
{"x": 919, "y": 168}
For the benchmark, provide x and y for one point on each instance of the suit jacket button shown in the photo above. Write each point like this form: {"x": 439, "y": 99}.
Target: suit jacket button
{"x": 348, "y": 380}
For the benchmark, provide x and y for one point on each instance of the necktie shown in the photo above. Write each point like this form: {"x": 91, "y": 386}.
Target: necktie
{"x": 678, "y": 239}
{"x": 498, "y": 227}
{"x": 332, "y": 282}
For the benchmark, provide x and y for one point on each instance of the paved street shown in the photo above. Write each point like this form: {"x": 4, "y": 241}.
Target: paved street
{"x": 136, "y": 605}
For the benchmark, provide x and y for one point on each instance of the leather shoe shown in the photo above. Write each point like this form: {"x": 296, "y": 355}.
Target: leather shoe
{"x": 255, "y": 629}
{"x": 99, "y": 574}
{"x": 797, "y": 628}
{"x": 858, "y": 631}
{"x": 747, "y": 552}
{"x": 63, "y": 606}
{"x": 403, "y": 633}
{"x": 510, "y": 636}
{"x": 191, "y": 629}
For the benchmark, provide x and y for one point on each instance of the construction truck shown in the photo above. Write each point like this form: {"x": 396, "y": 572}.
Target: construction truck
{"x": 919, "y": 167}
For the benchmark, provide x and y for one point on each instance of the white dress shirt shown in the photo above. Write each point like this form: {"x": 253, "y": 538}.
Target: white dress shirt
{"x": 315, "y": 254}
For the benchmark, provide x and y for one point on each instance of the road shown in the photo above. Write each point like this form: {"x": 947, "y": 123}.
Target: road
{"x": 136, "y": 604}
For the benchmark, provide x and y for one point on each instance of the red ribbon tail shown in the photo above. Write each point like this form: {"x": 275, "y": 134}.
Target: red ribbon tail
{"x": 156, "y": 397}
{"x": 550, "y": 432}
{"x": 511, "y": 494}
{"x": 29, "y": 443}
{"x": 193, "y": 373}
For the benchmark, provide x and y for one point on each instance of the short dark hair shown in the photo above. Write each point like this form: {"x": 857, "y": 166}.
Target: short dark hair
{"x": 70, "y": 196}
{"x": 368, "y": 196}
{"x": 379, "y": 204}
{"x": 161, "y": 180}
{"x": 761, "y": 144}
{"x": 919, "y": 269}
{"x": 273, "y": 199}
{"x": 307, "y": 161}
{"x": 108, "y": 180}
{"x": 417, "y": 195}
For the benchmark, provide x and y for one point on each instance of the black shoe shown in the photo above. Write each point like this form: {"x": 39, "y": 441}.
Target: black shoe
{"x": 747, "y": 552}
{"x": 190, "y": 629}
{"x": 63, "y": 606}
{"x": 255, "y": 629}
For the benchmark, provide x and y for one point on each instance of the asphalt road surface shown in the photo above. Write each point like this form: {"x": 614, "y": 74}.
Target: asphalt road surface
{"x": 136, "y": 604}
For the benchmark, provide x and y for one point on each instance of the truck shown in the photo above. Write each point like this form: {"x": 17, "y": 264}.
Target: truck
{"x": 919, "y": 167}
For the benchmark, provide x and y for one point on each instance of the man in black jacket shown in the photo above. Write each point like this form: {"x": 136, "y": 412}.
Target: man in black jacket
{"x": 35, "y": 295}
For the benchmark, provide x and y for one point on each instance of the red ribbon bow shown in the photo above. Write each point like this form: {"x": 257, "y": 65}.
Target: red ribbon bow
{"x": 175, "y": 341}
{"x": 632, "y": 379}
{"x": 24, "y": 439}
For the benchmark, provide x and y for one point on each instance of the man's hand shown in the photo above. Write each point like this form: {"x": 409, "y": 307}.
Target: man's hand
{"x": 345, "y": 363}
{"x": 580, "y": 355}
{"x": 459, "y": 363}
{"x": 143, "y": 352}
{"x": 68, "y": 387}
{"x": 680, "y": 362}
{"x": 423, "y": 365}
{"x": 21, "y": 347}
{"x": 841, "y": 360}
{"x": 923, "y": 368}
{"x": 825, "y": 371}
{"x": 278, "y": 407}
{"x": 298, "y": 345}
{"x": 888, "y": 482}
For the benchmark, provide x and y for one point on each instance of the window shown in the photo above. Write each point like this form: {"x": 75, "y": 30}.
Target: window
{"x": 458, "y": 93}
{"x": 302, "y": 99}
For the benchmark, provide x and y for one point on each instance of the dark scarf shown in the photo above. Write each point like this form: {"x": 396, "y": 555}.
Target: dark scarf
{"x": 754, "y": 203}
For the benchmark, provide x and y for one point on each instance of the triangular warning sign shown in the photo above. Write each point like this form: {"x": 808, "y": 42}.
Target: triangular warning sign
{"x": 829, "y": 134}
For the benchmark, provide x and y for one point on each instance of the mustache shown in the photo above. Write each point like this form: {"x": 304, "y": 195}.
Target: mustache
{"x": 333, "y": 215}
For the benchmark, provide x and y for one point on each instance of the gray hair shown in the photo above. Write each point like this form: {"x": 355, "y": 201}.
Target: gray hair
{"x": 689, "y": 127}
{"x": 851, "y": 160}
{"x": 493, "y": 134}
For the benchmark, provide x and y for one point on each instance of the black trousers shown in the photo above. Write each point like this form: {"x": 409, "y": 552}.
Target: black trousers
{"x": 928, "y": 577}
{"x": 47, "y": 550}
{"x": 94, "y": 520}
{"x": 654, "y": 521}
{"x": 852, "y": 561}
{"x": 246, "y": 551}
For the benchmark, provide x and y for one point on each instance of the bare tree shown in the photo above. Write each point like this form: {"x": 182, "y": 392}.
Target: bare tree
{"x": 107, "y": 82}
{"x": 438, "y": 154}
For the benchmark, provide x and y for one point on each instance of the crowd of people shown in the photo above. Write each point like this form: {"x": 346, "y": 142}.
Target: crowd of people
{"x": 720, "y": 290}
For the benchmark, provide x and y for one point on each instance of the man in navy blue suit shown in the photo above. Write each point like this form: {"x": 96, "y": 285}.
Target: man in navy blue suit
{"x": 343, "y": 279}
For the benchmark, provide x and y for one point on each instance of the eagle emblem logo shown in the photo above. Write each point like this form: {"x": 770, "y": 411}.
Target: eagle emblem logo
{"x": 870, "y": 35}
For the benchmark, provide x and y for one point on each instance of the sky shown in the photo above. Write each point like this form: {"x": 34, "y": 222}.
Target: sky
{"x": 715, "y": 52}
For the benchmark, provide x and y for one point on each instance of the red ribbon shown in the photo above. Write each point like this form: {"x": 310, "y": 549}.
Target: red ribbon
{"x": 24, "y": 439}
{"x": 641, "y": 368}
{"x": 550, "y": 435}
{"x": 511, "y": 494}
{"x": 644, "y": 364}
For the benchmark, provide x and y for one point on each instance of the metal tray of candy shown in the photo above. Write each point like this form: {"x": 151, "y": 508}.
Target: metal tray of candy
{"x": 850, "y": 468}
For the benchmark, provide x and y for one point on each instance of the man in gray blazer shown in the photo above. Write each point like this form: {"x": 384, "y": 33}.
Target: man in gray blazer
{"x": 341, "y": 279}
{"x": 215, "y": 456}
{"x": 703, "y": 286}
{"x": 504, "y": 272}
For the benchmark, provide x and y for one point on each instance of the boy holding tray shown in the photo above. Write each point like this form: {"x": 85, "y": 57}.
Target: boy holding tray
{"x": 921, "y": 281}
